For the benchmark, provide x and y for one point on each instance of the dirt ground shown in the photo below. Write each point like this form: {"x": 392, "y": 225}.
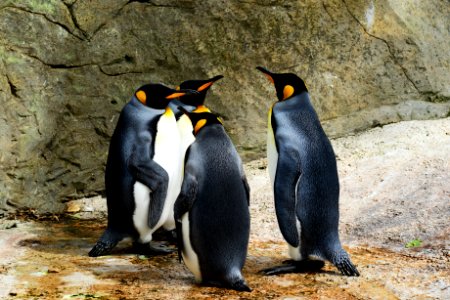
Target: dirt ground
{"x": 395, "y": 192}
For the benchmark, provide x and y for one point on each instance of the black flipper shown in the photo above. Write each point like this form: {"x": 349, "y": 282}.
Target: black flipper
{"x": 247, "y": 188}
{"x": 156, "y": 179}
{"x": 106, "y": 243}
{"x": 183, "y": 204}
{"x": 291, "y": 266}
{"x": 287, "y": 175}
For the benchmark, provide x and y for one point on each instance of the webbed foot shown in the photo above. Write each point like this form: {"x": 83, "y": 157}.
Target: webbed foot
{"x": 292, "y": 266}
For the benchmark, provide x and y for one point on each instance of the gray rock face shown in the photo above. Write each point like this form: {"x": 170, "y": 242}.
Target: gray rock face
{"x": 67, "y": 68}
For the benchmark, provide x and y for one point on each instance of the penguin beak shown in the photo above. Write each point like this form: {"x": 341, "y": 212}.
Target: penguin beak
{"x": 181, "y": 93}
{"x": 209, "y": 83}
{"x": 266, "y": 72}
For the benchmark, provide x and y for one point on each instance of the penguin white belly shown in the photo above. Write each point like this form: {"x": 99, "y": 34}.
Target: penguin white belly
{"x": 294, "y": 252}
{"x": 140, "y": 216}
{"x": 185, "y": 139}
{"x": 166, "y": 154}
{"x": 272, "y": 161}
{"x": 272, "y": 152}
{"x": 190, "y": 258}
{"x": 167, "y": 145}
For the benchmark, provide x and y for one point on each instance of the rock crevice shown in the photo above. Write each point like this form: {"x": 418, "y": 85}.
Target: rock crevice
{"x": 68, "y": 67}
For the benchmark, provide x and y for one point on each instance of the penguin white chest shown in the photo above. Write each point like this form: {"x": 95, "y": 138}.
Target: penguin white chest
{"x": 166, "y": 154}
{"x": 272, "y": 152}
{"x": 190, "y": 258}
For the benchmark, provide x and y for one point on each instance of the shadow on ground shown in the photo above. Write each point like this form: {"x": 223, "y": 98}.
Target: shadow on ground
{"x": 48, "y": 260}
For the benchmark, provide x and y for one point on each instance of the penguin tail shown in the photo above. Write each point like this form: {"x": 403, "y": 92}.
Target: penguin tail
{"x": 241, "y": 286}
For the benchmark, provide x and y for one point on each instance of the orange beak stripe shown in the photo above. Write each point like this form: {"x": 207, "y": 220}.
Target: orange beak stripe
{"x": 175, "y": 95}
{"x": 269, "y": 77}
{"x": 204, "y": 86}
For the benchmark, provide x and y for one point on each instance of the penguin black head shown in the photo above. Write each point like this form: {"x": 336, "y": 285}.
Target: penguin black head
{"x": 201, "y": 86}
{"x": 286, "y": 84}
{"x": 158, "y": 96}
{"x": 201, "y": 119}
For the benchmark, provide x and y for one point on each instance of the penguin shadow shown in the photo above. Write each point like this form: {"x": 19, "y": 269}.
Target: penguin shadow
{"x": 260, "y": 266}
{"x": 76, "y": 237}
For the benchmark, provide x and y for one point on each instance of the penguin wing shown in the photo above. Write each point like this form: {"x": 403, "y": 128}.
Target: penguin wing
{"x": 286, "y": 178}
{"x": 183, "y": 204}
{"x": 150, "y": 173}
{"x": 246, "y": 187}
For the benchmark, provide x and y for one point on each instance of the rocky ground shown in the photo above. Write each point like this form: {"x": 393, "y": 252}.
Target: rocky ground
{"x": 395, "y": 213}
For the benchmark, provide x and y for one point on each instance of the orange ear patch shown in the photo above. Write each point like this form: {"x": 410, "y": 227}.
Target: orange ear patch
{"x": 199, "y": 125}
{"x": 142, "y": 96}
{"x": 288, "y": 91}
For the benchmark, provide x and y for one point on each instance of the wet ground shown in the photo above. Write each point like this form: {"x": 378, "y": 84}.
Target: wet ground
{"x": 394, "y": 208}
{"x": 48, "y": 260}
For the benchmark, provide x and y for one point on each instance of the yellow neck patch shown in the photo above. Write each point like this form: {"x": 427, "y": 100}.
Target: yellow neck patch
{"x": 201, "y": 108}
{"x": 168, "y": 112}
{"x": 199, "y": 125}
{"x": 288, "y": 91}
{"x": 142, "y": 96}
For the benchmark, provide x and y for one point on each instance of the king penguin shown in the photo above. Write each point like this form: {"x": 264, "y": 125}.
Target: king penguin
{"x": 304, "y": 177}
{"x": 142, "y": 159}
{"x": 191, "y": 101}
{"x": 211, "y": 212}
{"x": 202, "y": 87}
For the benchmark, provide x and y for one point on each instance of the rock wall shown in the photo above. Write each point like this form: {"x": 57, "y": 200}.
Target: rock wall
{"x": 68, "y": 66}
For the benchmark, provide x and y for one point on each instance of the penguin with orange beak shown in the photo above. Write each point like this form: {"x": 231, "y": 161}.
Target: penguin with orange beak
{"x": 142, "y": 160}
{"x": 304, "y": 177}
{"x": 211, "y": 212}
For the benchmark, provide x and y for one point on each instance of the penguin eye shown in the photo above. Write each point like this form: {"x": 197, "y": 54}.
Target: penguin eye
{"x": 288, "y": 91}
{"x": 142, "y": 96}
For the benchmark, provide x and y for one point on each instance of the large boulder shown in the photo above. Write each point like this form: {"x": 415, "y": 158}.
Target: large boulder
{"x": 68, "y": 67}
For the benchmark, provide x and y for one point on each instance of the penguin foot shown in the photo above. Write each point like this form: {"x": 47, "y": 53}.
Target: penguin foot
{"x": 292, "y": 266}
{"x": 240, "y": 286}
{"x": 165, "y": 235}
{"x": 149, "y": 250}
{"x": 346, "y": 267}
{"x": 101, "y": 248}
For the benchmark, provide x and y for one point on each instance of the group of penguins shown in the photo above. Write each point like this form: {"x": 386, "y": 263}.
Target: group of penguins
{"x": 171, "y": 165}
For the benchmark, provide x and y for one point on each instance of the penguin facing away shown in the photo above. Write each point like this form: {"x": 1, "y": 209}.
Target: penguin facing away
{"x": 136, "y": 176}
{"x": 211, "y": 212}
{"x": 303, "y": 172}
